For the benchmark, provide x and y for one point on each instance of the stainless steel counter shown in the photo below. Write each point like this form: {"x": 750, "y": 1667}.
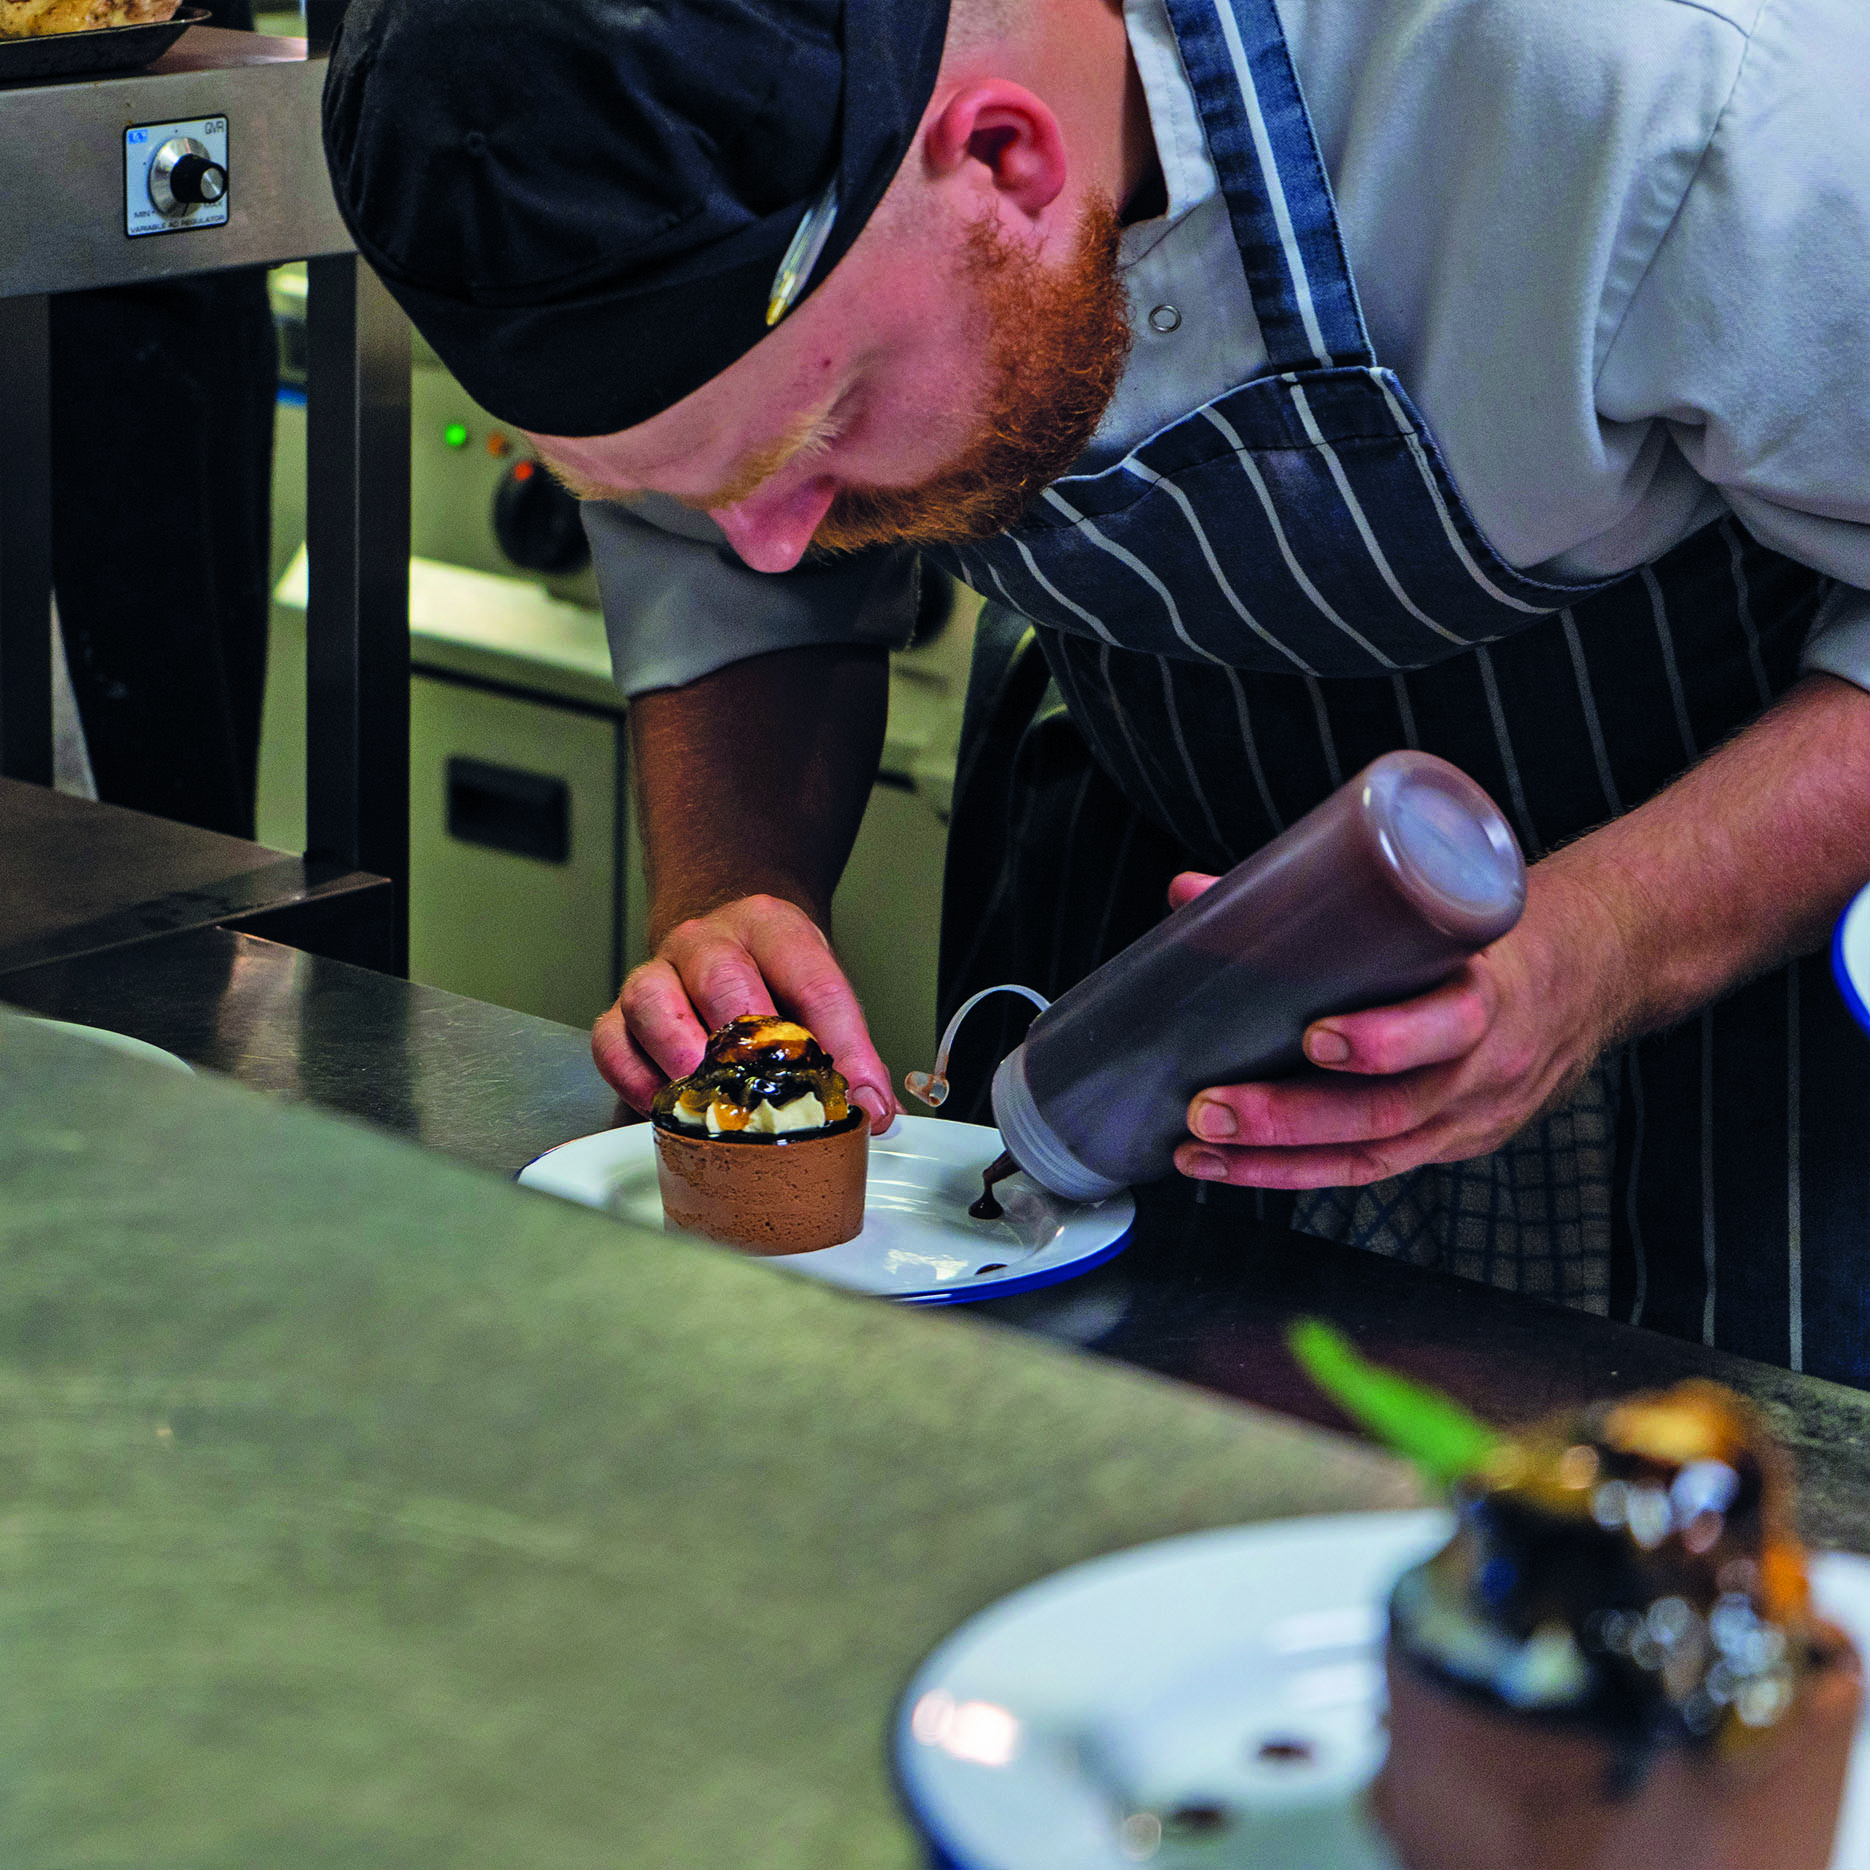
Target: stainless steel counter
{"x": 79, "y": 878}
{"x": 1203, "y": 1293}
{"x": 363, "y": 1509}
{"x": 476, "y": 1082}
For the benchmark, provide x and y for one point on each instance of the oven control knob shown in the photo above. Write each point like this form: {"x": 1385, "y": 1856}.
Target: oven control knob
{"x": 183, "y": 175}
{"x": 536, "y": 521}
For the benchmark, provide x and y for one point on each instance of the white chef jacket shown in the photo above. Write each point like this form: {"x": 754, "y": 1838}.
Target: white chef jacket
{"x": 1618, "y": 252}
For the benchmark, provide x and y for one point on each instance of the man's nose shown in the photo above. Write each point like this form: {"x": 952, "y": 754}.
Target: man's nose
{"x": 770, "y": 530}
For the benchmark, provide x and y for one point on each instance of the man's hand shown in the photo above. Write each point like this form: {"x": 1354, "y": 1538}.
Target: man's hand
{"x": 1743, "y": 862}
{"x": 751, "y": 783}
{"x": 760, "y": 954}
{"x": 1450, "y": 1074}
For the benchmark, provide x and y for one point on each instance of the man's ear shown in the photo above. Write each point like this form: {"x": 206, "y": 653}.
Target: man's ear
{"x": 1009, "y": 135}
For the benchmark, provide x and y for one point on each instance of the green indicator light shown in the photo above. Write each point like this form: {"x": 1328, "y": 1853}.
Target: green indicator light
{"x": 455, "y": 434}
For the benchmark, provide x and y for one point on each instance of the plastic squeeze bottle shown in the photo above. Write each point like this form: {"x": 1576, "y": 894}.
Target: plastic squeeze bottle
{"x": 1376, "y": 895}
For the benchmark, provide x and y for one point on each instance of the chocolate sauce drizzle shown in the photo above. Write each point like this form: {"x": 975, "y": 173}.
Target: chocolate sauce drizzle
{"x": 987, "y": 1208}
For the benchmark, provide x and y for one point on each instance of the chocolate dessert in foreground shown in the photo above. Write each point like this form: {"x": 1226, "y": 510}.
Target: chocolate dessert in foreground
{"x": 1614, "y": 1664}
{"x": 761, "y": 1147}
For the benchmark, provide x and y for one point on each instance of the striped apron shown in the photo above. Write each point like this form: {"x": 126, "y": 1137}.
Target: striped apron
{"x": 1185, "y": 652}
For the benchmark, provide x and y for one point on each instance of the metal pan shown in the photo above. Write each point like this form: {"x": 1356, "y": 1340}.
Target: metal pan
{"x": 105, "y": 48}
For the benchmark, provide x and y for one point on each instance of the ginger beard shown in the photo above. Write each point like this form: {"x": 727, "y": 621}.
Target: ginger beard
{"x": 1058, "y": 346}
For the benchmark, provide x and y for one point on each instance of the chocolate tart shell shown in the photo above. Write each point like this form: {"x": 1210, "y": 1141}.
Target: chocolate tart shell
{"x": 792, "y": 1194}
{"x": 1471, "y": 1786}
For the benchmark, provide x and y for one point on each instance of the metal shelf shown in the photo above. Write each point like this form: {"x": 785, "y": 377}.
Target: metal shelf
{"x": 62, "y": 229}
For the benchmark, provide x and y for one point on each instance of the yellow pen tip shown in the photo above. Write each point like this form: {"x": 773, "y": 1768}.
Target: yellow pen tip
{"x": 775, "y": 309}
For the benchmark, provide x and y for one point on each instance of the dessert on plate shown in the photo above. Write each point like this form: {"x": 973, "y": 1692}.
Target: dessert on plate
{"x": 760, "y": 1147}
{"x": 1615, "y": 1664}
{"x": 29, "y": 19}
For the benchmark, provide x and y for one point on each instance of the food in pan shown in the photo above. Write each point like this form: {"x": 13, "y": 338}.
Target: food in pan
{"x": 1614, "y": 1664}
{"x": 761, "y": 1147}
{"x": 30, "y": 19}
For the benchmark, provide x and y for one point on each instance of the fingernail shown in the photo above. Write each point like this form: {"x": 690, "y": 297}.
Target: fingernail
{"x": 1216, "y": 1122}
{"x": 872, "y": 1101}
{"x": 1326, "y": 1047}
{"x": 1204, "y": 1165}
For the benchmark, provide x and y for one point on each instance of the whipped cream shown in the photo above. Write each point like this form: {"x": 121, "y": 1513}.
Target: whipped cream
{"x": 805, "y": 1112}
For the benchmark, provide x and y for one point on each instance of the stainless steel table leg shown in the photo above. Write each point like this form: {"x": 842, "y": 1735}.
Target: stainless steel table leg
{"x": 357, "y": 538}
{"x": 26, "y": 540}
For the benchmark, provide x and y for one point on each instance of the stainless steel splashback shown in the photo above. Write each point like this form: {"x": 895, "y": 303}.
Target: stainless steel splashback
{"x": 70, "y": 178}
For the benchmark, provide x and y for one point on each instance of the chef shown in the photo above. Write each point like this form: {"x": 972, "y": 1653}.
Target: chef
{"x": 1295, "y": 383}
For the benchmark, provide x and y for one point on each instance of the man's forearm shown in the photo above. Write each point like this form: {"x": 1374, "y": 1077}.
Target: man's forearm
{"x": 754, "y": 779}
{"x": 1744, "y": 862}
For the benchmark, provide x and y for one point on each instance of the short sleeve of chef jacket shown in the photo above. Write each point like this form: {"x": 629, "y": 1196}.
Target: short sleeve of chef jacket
{"x": 1749, "y": 334}
{"x": 678, "y": 604}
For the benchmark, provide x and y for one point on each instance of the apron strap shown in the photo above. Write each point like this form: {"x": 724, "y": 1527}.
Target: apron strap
{"x": 1273, "y": 178}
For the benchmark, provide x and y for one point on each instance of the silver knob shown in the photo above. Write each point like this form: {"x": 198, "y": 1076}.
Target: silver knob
{"x": 183, "y": 175}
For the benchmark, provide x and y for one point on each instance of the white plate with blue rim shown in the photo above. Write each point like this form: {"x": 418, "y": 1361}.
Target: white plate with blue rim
{"x": 1850, "y": 957}
{"x": 919, "y": 1244}
{"x": 1211, "y": 1702}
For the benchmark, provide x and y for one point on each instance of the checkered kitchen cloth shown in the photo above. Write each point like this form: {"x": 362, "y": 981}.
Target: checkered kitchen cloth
{"x": 1533, "y": 1217}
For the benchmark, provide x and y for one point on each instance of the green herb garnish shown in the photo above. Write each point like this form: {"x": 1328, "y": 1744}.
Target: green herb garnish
{"x": 1430, "y": 1429}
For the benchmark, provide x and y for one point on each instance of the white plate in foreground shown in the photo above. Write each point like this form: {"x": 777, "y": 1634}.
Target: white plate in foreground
{"x": 918, "y": 1244}
{"x": 1850, "y": 957}
{"x": 115, "y": 1042}
{"x": 1233, "y": 1677}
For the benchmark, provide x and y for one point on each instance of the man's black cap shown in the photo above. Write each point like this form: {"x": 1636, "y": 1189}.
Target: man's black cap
{"x": 582, "y": 204}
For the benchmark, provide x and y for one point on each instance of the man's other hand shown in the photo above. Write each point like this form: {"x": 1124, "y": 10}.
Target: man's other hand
{"x": 1450, "y": 1074}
